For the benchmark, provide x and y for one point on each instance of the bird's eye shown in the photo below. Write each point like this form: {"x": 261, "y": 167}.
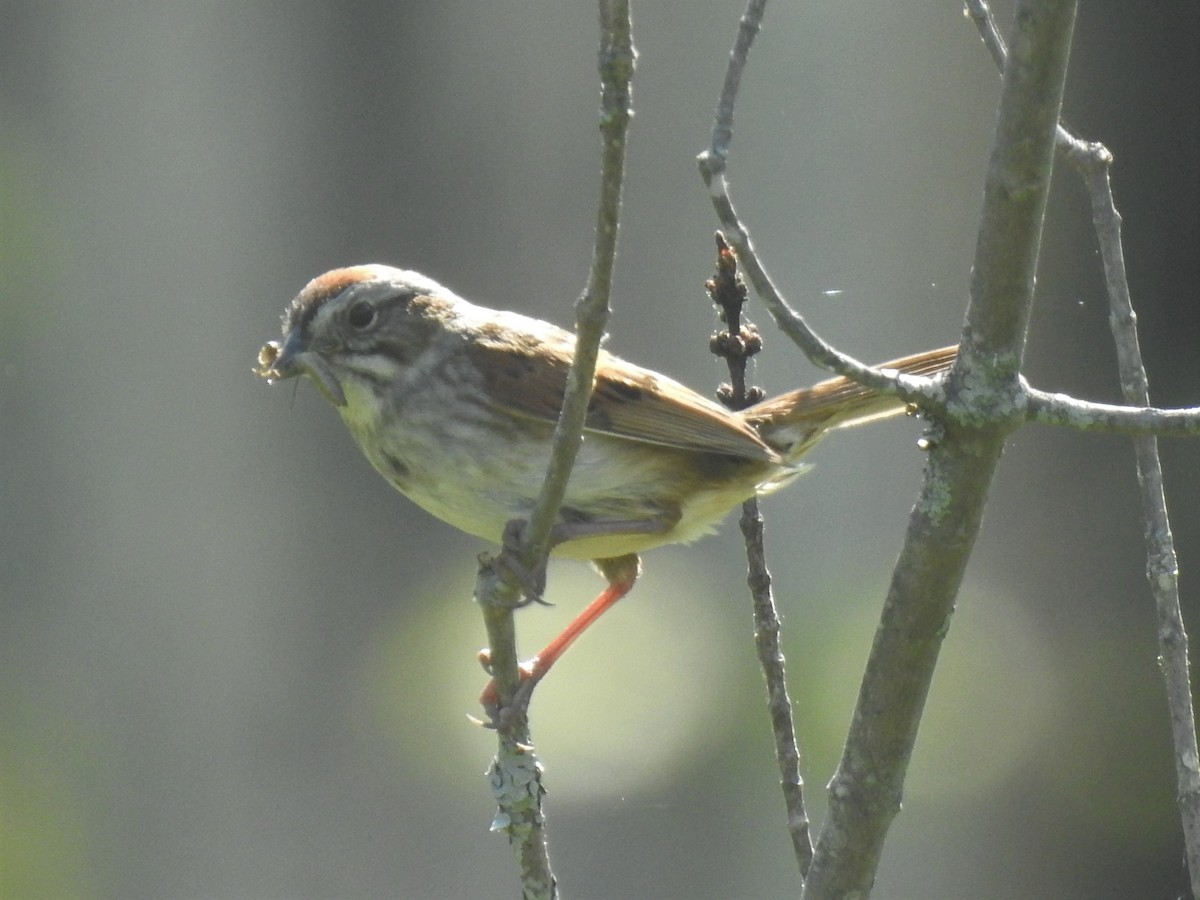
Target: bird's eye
{"x": 361, "y": 315}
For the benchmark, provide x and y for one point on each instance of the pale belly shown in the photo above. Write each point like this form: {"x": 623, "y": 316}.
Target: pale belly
{"x": 479, "y": 474}
{"x": 480, "y": 489}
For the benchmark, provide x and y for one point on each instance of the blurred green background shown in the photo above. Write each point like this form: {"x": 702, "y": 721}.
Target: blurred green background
{"x": 234, "y": 664}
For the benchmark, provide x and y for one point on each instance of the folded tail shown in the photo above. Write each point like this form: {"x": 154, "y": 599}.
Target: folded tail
{"x": 791, "y": 423}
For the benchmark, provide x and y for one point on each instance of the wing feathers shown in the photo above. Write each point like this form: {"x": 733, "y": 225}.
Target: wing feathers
{"x": 527, "y": 378}
{"x": 627, "y": 401}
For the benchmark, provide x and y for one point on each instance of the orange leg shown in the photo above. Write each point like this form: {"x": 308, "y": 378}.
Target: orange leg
{"x": 621, "y": 572}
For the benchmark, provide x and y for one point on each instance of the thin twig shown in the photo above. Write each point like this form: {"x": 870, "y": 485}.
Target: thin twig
{"x": 737, "y": 343}
{"x": 1162, "y": 569}
{"x": 982, "y": 16}
{"x": 712, "y": 162}
{"x": 616, "y": 63}
{"x": 516, "y": 773}
{"x": 1094, "y": 161}
{"x": 1060, "y": 409}
{"x": 983, "y": 405}
{"x": 978, "y": 11}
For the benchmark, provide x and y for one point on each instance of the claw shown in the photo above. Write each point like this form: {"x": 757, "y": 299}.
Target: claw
{"x": 499, "y": 716}
{"x": 533, "y": 583}
{"x": 621, "y": 572}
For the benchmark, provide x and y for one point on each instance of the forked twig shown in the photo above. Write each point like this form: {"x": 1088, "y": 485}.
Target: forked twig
{"x": 985, "y": 399}
{"x": 983, "y": 405}
{"x": 1093, "y": 161}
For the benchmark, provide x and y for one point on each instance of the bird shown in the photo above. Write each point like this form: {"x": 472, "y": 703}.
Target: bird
{"x": 455, "y": 403}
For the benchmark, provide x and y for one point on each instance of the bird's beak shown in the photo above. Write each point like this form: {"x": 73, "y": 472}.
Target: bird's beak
{"x": 280, "y": 361}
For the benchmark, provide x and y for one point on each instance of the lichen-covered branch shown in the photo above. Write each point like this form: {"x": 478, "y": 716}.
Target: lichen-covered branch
{"x": 983, "y": 406}
{"x": 1093, "y": 161}
{"x": 1082, "y": 415}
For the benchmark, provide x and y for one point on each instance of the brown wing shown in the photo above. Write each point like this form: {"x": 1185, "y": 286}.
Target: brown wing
{"x": 646, "y": 406}
{"x": 627, "y": 401}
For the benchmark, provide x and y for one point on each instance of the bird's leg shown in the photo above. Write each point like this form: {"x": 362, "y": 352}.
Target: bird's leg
{"x": 621, "y": 573}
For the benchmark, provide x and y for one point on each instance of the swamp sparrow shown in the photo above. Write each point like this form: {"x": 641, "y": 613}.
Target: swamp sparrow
{"x": 455, "y": 404}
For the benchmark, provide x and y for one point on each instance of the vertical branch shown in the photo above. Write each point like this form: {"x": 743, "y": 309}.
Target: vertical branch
{"x": 515, "y": 774}
{"x": 737, "y": 343}
{"x": 984, "y": 404}
{"x": 1162, "y": 569}
{"x": 1093, "y": 161}
{"x": 616, "y": 63}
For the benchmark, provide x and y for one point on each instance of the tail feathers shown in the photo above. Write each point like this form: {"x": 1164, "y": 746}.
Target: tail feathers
{"x": 791, "y": 423}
